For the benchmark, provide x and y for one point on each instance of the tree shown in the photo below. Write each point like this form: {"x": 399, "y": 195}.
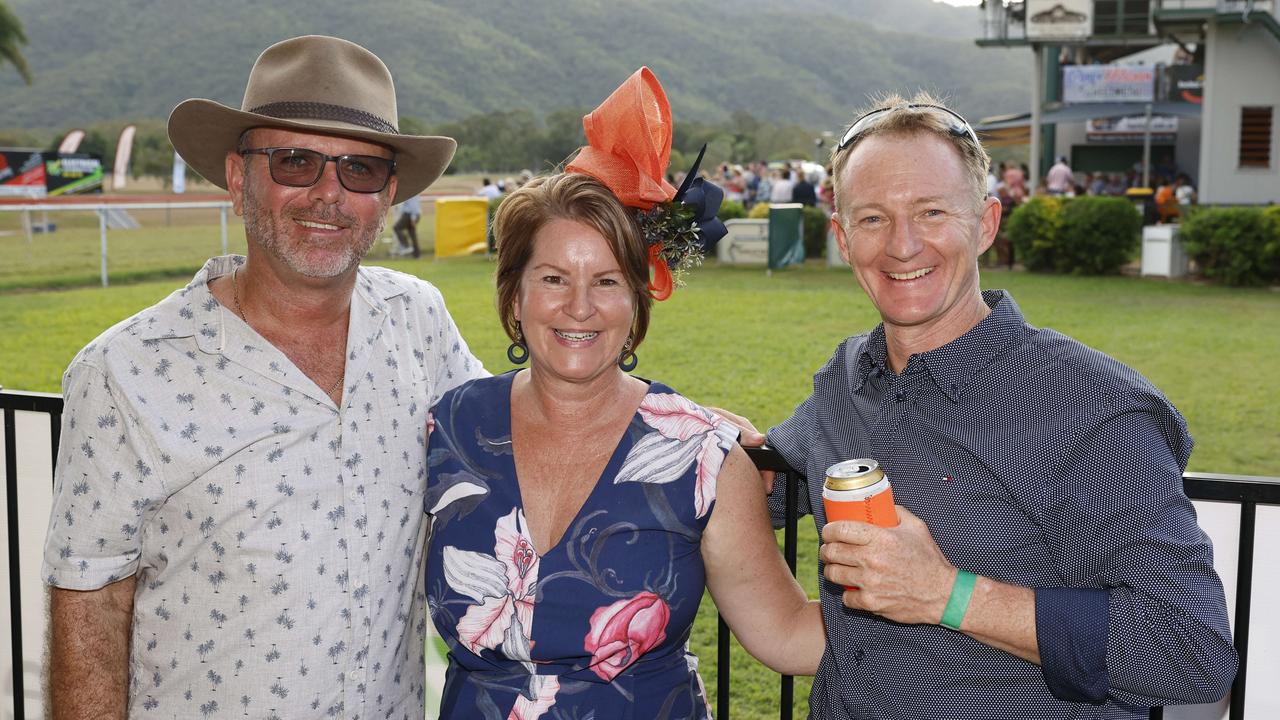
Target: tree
{"x": 12, "y": 36}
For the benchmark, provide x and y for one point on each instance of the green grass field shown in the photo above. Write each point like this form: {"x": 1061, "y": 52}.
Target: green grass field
{"x": 748, "y": 342}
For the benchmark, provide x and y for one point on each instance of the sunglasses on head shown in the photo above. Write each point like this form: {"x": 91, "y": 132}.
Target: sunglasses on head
{"x": 958, "y": 128}
{"x": 299, "y": 167}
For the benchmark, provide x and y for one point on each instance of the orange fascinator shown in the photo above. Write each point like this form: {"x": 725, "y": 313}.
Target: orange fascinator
{"x": 628, "y": 147}
{"x": 629, "y": 142}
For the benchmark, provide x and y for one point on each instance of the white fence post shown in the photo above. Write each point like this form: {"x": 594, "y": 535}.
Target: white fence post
{"x": 102, "y": 209}
{"x": 102, "y": 232}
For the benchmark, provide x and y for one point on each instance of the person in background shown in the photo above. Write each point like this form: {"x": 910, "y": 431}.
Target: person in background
{"x": 784, "y": 185}
{"x": 489, "y": 190}
{"x": 826, "y": 193}
{"x": 1184, "y": 191}
{"x": 406, "y": 227}
{"x": 750, "y": 183}
{"x": 764, "y": 189}
{"x": 1115, "y": 185}
{"x": 1060, "y": 181}
{"x": 804, "y": 192}
{"x": 1015, "y": 182}
{"x": 1098, "y": 186}
{"x": 1166, "y": 200}
{"x": 237, "y": 522}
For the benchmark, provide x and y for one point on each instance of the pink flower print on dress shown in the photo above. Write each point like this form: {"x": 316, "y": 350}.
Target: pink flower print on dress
{"x": 686, "y": 434}
{"x": 625, "y": 630}
{"x": 503, "y": 585}
{"x": 544, "y": 689}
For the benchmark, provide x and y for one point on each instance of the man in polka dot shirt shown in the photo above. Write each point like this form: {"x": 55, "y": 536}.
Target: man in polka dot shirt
{"x": 1047, "y": 562}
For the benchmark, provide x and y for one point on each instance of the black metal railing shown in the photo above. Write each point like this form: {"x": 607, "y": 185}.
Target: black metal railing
{"x": 12, "y": 402}
{"x": 1247, "y": 491}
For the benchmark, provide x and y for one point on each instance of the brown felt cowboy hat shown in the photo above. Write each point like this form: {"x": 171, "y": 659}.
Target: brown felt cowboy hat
{"x": 314, "y": 83}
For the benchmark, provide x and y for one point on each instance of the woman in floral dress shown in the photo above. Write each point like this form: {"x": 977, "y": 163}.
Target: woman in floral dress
{"x": 579, "y": 511}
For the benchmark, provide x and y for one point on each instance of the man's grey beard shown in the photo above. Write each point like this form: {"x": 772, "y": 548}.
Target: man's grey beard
{"x": 264, "y": 228}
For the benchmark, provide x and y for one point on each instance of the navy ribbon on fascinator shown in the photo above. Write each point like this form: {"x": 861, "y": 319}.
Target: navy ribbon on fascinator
{"x": 704, "y": 198}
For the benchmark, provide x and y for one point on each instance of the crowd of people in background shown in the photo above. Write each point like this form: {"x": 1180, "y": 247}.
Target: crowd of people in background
{"x": 1008, "y": 182}
{"x": 775, "y": 183}
{"x": 809, "y": 184}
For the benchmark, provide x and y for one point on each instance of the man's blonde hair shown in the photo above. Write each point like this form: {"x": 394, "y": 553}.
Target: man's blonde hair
{"x": 899, "y": 117}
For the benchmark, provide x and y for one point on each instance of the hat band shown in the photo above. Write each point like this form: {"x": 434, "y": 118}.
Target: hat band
{"x": 325, "y": 111}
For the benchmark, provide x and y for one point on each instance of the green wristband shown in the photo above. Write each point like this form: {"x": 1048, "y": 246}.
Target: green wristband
{"x": 958, "y": 603}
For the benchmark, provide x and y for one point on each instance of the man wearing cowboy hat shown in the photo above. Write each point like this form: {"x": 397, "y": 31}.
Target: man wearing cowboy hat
{"x": 238, "y": 521}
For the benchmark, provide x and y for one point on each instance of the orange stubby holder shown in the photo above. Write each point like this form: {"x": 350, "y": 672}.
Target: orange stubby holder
{"x": 875, "y": 510}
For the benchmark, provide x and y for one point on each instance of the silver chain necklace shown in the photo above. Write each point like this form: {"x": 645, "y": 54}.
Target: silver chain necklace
{"x": 235, "y": 295}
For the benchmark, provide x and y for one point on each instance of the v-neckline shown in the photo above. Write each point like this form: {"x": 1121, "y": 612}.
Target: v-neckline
{"x": 614, "y": 458}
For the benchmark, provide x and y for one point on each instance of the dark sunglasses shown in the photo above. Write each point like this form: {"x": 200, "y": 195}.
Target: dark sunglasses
{"x": 299, "y": 167}
{"x": 959, "y": 128}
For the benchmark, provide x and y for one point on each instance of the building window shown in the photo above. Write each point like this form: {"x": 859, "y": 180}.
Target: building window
{"x": 1255, "y": 137}
{"x": 1121, "y": 17}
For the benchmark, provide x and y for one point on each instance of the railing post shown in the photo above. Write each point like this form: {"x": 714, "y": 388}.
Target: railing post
{"x": 223, "y": 213}
{"x": 789, "y": 554}
{"x": 1244, "y": 602}
{"x": 722, "y": 668}
{"x": 102, "y": 233}
{"x": 15, "y": 574}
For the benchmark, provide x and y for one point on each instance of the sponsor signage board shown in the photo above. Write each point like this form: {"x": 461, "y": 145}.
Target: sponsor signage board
{"x": 1108, "y": 83}
{"x": 1130, "y": 129}
{"x": 1183, "y": 83}
{"x": 22, "y": 173}
{"x": 73, "y": 174}
{"x": 1059, "y": 19}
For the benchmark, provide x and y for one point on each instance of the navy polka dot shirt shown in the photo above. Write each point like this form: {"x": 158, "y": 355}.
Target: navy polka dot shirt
{"x": 1038, "y": 462}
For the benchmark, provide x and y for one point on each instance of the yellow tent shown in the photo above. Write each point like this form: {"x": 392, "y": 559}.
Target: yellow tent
{"x": 462, "y": 225}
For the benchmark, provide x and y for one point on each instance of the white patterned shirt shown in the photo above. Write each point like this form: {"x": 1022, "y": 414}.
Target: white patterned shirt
{"x": 277, "y": 537}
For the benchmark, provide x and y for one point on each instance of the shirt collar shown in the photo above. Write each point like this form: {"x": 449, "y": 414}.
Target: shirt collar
{"x": 201, "y": 316}
{"x": 953, "y": 365}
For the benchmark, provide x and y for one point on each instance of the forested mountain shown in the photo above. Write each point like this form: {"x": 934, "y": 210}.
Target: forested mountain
{"x": 799, "y": 62}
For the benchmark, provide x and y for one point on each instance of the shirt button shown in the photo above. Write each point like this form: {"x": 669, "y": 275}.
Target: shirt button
{"x": 900, "y": 397}
{"x": 353, "y": 495}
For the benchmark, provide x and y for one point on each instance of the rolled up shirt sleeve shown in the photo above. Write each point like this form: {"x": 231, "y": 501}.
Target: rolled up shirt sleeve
{"x": 107, "y": 484}
{"x": 792, "y": 439}
{"x": 1144, "y": 621}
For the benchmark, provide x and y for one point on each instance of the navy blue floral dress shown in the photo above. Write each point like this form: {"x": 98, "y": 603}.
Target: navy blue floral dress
{"x": 597, "y": 627}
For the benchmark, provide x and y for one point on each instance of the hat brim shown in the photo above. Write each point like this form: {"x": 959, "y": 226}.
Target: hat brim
{"x": 203, "y": 132}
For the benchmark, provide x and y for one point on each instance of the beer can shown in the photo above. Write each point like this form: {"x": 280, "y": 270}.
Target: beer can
{"x": 859, "y": 490}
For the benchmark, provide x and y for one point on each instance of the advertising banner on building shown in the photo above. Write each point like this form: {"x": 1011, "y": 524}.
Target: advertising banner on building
{"x": 1108, "y": 83}
{"x": 73, "y": 174}
{"x": 1183, "y": 83}
{"x": 21, "y": 173}
{"x": 1164, "y": 129}
{"x": 1059, "y": 19}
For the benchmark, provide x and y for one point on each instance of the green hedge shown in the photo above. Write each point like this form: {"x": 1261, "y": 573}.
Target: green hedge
{"x": 1099, "y": 235}
{"x": 1080, "y": 236}
{"x": 730, "y": 210}
{"x": 1234, "y": 245}
{"x": 816, "y": 222}
{"x": 1034, "y": 228}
